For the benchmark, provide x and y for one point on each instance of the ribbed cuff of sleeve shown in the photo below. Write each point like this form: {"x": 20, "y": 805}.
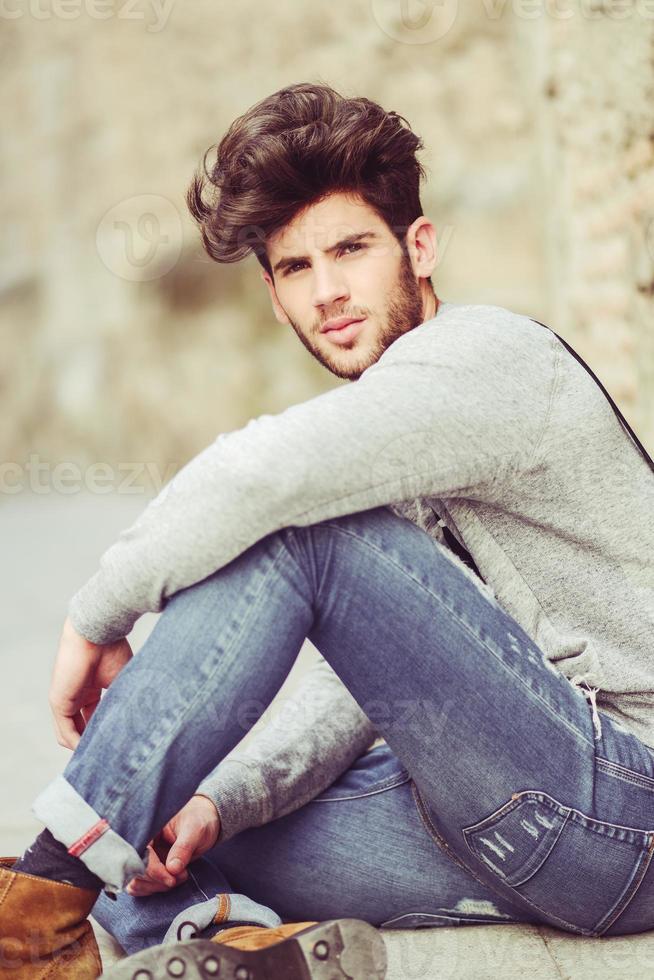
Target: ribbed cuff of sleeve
{"x": 241, "y": 801}
{"x": 97, "y": 615}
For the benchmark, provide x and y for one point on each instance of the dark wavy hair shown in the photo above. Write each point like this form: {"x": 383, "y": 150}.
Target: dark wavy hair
{"x": 291, "y": 149}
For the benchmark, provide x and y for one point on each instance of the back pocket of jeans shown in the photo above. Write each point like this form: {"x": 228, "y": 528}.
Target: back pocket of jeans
{"x": 580, "y": 872}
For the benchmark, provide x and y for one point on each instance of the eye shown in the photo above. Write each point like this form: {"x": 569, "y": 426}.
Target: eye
{"x": 294, "y": 268}
{"x": 355, "y": 246}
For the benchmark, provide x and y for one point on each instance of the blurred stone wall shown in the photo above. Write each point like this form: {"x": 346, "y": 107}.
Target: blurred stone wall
{"x": 123, "y": 344}
{"x": 598, "y": 140}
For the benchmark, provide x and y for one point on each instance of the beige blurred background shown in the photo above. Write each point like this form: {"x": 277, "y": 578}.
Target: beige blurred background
{"x": 125, "y": 349}
{"x": 123, "y": 342}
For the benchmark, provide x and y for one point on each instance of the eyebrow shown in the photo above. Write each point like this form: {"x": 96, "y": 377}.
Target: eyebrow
{"x": 350, "y": 240}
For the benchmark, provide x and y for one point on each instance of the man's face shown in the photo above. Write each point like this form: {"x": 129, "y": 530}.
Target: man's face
{"x": 338, "y": 259}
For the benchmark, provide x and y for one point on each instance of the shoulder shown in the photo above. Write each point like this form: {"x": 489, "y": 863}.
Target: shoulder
{"x": 474, "y": 331}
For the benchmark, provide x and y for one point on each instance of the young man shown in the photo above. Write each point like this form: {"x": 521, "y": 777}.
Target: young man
{"x": 501, "y": 794}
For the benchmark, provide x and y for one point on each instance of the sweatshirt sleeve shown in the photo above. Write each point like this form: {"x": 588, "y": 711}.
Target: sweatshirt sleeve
{"x": 449, "y": 409}
{"x": 317, "y": 736}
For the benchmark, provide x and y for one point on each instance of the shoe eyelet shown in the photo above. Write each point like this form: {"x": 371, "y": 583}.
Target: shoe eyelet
{"x": 321, "y": 950}
{"x": 193, "y": 935}
{"x": 211, "y": 966}
{"x": 176, "y": 967}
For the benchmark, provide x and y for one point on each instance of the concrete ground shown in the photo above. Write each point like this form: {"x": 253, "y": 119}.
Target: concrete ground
{"x": 50, "y": 545}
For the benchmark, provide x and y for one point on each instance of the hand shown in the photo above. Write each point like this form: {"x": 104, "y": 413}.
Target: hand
{"x": 185, "y": 837}
{"x": 81, "y": 670}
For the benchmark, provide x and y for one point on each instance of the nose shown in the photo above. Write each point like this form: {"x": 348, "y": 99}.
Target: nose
{"x": 329, "y": 285}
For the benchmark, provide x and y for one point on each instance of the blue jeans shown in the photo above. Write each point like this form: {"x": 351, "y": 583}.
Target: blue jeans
{"x": 358, "y": 849}
{"x": 493, "y": 800}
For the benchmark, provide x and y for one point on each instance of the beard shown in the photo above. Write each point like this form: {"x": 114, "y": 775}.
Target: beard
{"x": 404, "y": 311}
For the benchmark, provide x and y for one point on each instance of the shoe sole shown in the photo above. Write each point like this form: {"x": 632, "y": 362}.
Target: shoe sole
{"x": 339, "y": 949}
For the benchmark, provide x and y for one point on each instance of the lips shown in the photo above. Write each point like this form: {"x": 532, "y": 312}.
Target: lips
{"x": 345, "y": 333}
{"x": 339, "y": 322}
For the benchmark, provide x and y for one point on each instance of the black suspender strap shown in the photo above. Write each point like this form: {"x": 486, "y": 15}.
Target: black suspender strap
{"x": 462, "y": 552}
{"x": 452, "y": 542}
{"x": 617, "y": 411}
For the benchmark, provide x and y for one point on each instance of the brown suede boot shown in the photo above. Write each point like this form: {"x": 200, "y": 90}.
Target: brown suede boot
{"x": 44, "y": 930}
{"x": 339, "y": 949}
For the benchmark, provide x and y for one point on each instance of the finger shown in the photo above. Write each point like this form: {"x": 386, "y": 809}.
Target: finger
{"x": 169, "y": 833}
{"x": 67, "y": 734}
{"x": 180, "y": 854}
{"x": 156, "y": 870}
{"x": 139, "y": 887}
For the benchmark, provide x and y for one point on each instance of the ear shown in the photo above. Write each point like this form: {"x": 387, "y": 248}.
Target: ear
{"x": 280, "y": 315}
{"x": 422, "y": 247}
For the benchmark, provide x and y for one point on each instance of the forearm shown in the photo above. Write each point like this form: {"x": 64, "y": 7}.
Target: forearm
{"x": 320, "y": 732}
{"x": 433, "y": 417}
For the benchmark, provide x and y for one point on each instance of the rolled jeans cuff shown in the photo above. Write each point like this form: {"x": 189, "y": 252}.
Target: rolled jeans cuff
{"x": 227, "y": 908}
{"x": 87, "y": 835}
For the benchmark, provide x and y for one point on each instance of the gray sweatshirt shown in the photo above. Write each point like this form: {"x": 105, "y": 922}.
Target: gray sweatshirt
{"x": 478, "y": 416}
